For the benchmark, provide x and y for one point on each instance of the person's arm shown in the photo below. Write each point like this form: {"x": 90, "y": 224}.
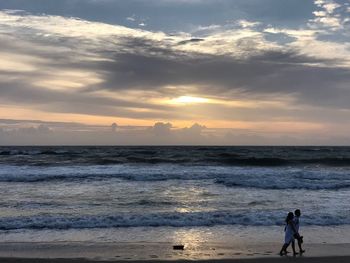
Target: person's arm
{"x": 291, "y": 222}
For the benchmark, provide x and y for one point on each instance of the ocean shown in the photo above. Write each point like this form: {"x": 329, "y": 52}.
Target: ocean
{"x": 142, "y": 194}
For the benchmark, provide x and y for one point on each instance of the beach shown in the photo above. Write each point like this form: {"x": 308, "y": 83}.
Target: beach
{"x": 163, "y": 252}
{"x": 136, "y": 203}
{"x": 174, "y": 131}
{"x": 301, "y": 260}
{"x": 216, "y": 243}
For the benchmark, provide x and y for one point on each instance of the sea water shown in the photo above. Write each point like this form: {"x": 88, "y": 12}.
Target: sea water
{"x": 162, "y": 194}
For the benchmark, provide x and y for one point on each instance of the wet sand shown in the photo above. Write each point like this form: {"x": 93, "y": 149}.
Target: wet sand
{"x": 257, "y": 260}
{"x": 80, "y": 252}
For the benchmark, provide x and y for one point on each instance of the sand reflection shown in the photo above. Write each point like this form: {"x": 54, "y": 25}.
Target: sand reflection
{"x": 190, "y": 238}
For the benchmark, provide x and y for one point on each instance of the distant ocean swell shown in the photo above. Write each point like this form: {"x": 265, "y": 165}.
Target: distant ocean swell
{"x": 229, "y": 156}
{"x": 171, "y": 219}
{"x": 260, "y": 178}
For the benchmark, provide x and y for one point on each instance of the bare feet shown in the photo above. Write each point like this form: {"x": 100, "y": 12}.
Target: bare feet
{"x": 283, "y": 252}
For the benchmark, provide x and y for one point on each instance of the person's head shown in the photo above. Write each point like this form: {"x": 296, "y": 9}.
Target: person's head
{"x": 289, "y": 217}
{"x": 297, "y": 212}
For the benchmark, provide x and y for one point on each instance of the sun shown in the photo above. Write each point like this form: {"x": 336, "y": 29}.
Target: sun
{"x": 189, "y": 100}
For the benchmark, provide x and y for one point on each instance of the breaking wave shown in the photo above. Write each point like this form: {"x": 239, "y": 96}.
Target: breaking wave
{"x": 254, "y": 177}
{"x": 173, "y": 219}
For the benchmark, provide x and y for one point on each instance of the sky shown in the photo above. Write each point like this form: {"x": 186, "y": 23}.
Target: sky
{"x": 224, "y": 72}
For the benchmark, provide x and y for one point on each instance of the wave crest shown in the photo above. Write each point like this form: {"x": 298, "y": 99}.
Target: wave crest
{"x": 170, "y": 219}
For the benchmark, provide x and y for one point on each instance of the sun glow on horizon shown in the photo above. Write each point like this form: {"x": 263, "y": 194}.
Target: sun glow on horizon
{"x": 189, "y": 100}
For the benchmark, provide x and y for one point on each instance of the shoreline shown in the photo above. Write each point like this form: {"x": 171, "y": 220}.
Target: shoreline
{"x": 338, "y": 259}
{"x": 80, "y": 252}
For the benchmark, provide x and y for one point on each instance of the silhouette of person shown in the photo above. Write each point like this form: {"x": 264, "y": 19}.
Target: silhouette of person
{"x": 299, "y": 238}
{"x": 290, "y": 231}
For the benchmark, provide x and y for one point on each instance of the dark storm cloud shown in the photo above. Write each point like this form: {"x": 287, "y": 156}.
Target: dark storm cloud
{"x": 192, "y": 40}
{"x": 141, "y": 64}
{"x": 73, "y": 102}
{"x": 35, "y": 95}
{"x": 142, "y": 61}
{"x": 314, "y": 81}
{"x": 248, "y": 61}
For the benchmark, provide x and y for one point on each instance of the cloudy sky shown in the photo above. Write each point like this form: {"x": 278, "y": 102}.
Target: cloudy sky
{"x": 175, "y": 71}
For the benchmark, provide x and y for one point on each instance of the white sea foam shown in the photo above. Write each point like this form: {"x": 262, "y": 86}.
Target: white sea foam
{"x": 174, "y": 219}
{"x": 66, "y": 188}
{"x": 253, "y": 177}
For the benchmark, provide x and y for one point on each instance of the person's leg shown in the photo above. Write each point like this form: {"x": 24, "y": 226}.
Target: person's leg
{"x": 300, "y": 247}
{"x": 293, "y": 247}
{"x": 284, "y": 249}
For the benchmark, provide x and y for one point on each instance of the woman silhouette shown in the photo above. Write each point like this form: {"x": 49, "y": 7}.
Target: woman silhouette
{"x": 290, "y": 231}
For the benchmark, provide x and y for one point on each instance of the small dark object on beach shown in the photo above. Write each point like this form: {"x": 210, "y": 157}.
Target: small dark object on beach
{"x": 179, "y": 247}
{"x": 299, "y": 238}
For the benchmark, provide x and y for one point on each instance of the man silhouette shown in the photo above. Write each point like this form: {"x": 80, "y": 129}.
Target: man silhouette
{"x": 296, "y": 220}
